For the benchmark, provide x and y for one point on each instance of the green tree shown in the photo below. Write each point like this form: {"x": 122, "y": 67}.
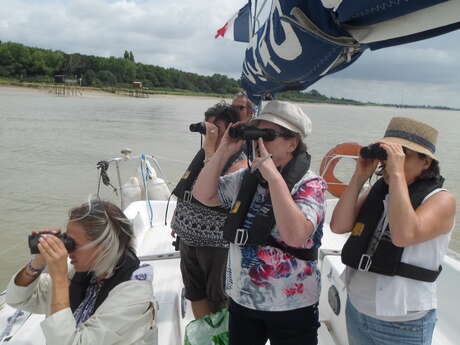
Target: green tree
{"x": 89, "y": 78}
{"x": 106, "y": 77}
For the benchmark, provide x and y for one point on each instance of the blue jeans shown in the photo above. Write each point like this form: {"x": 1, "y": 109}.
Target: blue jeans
{"x": 365, "y": 330}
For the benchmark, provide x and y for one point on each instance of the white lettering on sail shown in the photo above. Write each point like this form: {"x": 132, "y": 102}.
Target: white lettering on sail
{"x": 252, "y": 71}
{"x": 290, "y": 49}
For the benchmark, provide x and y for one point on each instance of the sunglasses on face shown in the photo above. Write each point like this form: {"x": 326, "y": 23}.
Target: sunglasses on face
{"x": 239, "y": 107}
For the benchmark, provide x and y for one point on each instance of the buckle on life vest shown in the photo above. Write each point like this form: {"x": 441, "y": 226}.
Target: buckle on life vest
{"x": 187, "y": 196}
{"x": 241, "y": 237}
{"x": 365, "y": 263}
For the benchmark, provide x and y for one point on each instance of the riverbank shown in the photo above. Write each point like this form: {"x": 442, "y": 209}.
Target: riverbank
{"x": 312, "y": 97}
{"x": 112, "y": 90}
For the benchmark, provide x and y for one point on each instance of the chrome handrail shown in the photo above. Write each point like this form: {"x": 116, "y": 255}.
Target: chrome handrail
{"x": 128, "y": 157}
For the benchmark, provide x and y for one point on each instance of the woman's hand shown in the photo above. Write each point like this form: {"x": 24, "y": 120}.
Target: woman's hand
{"x": 228, "y": 145}
{"x": 55, "y": 254}
{"x": 38, "y": 261}
{"x": 394, "y": 165}
{"x": 365, "y": 168}
{"x": 264, "y": 162}
{"x": 211, "y": 138}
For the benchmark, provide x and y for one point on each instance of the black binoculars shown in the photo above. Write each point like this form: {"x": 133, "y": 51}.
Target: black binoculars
{"x": 68, "y": 241}
{"x": 373, "y": 151}
{"x": 198, "y": 127}
{"x": 246, "y": 132}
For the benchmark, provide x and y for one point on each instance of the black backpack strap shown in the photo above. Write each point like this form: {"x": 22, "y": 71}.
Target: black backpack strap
{"x": 417, "y": 273}
{"x": 299, "y": 253}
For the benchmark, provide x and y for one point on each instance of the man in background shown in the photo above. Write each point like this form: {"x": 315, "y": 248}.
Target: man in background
{"x": 243, "y": 106}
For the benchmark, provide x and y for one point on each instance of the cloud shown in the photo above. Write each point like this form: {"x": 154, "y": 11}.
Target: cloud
{"x": 179, "y": 34}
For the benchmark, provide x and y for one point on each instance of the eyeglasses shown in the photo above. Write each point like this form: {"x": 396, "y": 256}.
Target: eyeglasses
{"x": 285, "y": 134}
{"x": 239, "y": 107}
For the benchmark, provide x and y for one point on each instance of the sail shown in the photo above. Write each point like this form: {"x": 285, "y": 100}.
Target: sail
{"x": 302, "y": 41}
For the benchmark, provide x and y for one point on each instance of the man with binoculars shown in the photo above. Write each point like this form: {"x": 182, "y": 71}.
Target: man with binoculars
{"x": 277, "y": 209}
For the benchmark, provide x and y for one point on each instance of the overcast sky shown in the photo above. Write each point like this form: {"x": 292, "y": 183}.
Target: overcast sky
{"x": 180, "y": 34}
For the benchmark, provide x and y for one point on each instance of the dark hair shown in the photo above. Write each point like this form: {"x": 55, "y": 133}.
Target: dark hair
{"x": 432, "y": 172}
{"x": 222, "y": 111}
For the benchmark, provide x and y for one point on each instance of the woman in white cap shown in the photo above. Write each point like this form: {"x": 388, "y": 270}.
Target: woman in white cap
{"x": 400, "y": 230}
{"x": 274, "y": 228}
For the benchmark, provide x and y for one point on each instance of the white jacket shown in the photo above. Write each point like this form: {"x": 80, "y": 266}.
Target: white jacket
{"x": 125, "y": 317}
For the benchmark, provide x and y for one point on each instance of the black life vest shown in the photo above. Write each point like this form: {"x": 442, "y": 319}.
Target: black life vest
{"x": 127, "y": 264}
{"x": 386, "y": 257}
{"x": 183, "y": 190}
{"x": 261, "y": 228}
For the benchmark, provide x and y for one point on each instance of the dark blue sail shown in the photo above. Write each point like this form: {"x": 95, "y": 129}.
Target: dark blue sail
{"x": 305, "y": 40}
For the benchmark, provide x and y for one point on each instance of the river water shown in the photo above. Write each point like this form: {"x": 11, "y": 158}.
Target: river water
{"x": 49, "y": 147}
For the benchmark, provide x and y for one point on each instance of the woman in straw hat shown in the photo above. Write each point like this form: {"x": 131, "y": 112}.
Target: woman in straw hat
{"x": 400, "y": 230}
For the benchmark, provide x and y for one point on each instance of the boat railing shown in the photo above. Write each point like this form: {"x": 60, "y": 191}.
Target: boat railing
{"x": 126, "y": 156}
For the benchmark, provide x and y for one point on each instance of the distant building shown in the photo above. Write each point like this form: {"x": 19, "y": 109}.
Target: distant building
{"x": 137, "y": 84}
{"x": 59, "y": 78}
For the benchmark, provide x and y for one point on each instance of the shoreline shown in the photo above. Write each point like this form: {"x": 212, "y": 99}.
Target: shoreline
{"x": 124, "y": 92}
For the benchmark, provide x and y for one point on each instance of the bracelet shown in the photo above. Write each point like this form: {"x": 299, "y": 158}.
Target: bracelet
{"x": 33, "y": 271}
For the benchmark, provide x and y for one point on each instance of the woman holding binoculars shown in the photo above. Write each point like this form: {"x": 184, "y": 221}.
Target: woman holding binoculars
{"x": 400, "y": 230}
{"x": 104, "y": 297}
{"x": 197, "y": 227}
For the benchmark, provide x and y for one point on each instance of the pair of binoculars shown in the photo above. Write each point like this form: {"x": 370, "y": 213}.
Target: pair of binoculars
{"x": 244, "y": 132}
{"x": 68, "y": 241}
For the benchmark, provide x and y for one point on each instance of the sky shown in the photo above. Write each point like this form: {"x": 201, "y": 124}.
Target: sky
{"x": 180, "y": 34}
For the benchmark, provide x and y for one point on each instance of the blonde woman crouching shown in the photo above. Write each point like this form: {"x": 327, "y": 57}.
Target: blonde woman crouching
{"x": 104, "y": 297}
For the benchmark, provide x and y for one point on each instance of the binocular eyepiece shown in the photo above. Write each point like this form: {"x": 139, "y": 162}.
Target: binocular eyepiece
{"x": 198, "y": 127}
{"x": 373, "y": 151}
{"x": 246, "y": 132}
{"x": 68, "y": 241}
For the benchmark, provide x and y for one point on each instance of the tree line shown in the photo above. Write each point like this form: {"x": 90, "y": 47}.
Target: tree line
{"x": 30, "y": 64}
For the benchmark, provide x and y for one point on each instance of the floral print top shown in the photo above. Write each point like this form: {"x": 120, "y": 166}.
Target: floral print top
{"x": 264, "y": 277}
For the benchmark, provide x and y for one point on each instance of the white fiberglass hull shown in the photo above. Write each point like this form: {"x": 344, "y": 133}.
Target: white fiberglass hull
{"x": 154, "y": 246}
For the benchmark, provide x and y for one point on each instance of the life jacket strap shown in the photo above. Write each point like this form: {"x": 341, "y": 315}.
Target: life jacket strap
{"x": 404, "y": 270}
{"x": 299, "y": 253}
{"x": 417, "y": 273}
{"x": 241, "y": 237}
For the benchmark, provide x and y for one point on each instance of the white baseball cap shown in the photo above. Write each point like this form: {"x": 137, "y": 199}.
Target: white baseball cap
{"x": 286, "y": 115}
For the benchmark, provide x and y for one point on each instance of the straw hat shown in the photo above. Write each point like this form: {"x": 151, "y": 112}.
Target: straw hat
{"x": 286, "y": 115}
{"x": 414, "y": 135}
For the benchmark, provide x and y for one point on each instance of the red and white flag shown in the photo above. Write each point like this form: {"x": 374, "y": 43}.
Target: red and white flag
{"x": 238, "y": 27}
